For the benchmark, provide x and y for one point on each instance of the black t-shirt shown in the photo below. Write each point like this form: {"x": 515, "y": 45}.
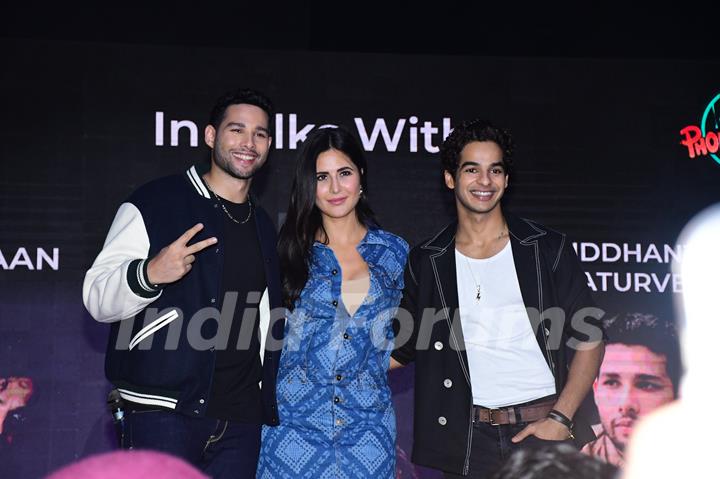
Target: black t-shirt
{"x": 235, "y": 391}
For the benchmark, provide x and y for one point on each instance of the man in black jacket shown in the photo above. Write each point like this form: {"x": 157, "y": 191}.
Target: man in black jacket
{"x": 187, "y": 278}
{"x": 504, "y": 333}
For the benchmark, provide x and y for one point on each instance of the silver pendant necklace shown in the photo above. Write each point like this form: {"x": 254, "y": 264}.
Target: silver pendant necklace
{"x": 250, "y": 206}
{"x": 478, "y": 286}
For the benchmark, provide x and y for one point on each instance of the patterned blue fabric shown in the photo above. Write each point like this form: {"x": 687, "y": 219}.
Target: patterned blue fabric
{"x": 336, "y": 414}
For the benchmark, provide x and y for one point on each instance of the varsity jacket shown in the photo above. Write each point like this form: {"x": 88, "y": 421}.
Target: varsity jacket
{"x": 549, "y": 275}
{"x": 161, "y": 349}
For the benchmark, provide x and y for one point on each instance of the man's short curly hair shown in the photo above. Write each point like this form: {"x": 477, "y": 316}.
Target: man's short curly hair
{"x": 240, "y": 96}
{"x": 475, "y": 130}
{"x": 554, "y": 461}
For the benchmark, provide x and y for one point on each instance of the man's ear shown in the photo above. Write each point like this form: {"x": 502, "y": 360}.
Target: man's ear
{"x": 210, "y": 136}
{"x": 449, "y": 180}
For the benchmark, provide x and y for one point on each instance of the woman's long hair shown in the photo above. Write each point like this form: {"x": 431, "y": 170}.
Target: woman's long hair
{"x": 304, "y": 219}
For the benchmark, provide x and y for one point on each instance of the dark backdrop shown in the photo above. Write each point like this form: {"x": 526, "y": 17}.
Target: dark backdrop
{"x": 598, "y": 156}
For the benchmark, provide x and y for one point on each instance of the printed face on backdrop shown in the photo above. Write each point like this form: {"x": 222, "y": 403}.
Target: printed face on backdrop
{"x": 15, "y": 393}
{"x": 633, "y": 381}
{"x": 481, "y": 179}
{"x": 242, "y": 141}
{"x": 338, "y": 184}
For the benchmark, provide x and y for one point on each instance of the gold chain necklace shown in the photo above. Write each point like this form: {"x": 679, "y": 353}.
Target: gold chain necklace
{"x": 250, "y": 206}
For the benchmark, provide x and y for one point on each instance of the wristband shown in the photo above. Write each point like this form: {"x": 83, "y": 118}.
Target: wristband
{"x": 556, "y": 415}
{"x": 146, "y": 279}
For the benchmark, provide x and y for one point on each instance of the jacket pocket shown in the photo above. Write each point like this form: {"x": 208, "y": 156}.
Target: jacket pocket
{"x": 368, "y": 392}
{"x": 294, "y": 386}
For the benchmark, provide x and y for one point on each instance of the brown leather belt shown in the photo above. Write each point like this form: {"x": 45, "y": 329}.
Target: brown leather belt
{"x": 512, "y": 414}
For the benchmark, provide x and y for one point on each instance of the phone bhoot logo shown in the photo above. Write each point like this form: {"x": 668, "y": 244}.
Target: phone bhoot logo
{"x": 705, "y": 139}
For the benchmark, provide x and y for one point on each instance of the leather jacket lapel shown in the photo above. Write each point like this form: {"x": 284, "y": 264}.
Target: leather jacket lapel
{"x": 528, "y": 267}
{"x": 444, "y": 271}
{"x": 526, "y": 260}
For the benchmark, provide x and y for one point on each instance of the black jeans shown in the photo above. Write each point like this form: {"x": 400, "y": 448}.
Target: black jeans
{"x": 222, "y": 449}
{"x": 491, "y": 445}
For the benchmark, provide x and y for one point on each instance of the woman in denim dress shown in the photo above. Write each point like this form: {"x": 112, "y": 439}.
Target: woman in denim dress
{"x": 343, "y": 280}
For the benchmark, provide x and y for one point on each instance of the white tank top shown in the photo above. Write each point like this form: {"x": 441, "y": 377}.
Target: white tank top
{"x": 506, "y": 364}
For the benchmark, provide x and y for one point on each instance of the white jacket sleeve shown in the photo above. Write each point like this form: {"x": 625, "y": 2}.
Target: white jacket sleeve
{"x": 107, "y": 292}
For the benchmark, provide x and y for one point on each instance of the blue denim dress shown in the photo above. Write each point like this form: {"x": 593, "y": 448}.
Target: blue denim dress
{"x": 334, "y": 401}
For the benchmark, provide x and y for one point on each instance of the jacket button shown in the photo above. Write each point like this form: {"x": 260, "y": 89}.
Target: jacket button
{"x": 212, "y": 300}
{"x": 339, "y": 377}
{"x": 442, "y": 421}
{"x": 334, "y": 272}
{"x": 336, "y": 400}
{"x": 334, "y": 303}
{"x": 447, "y": 383}
{"x": 438, "y": 345}
{"x": 338, "y": 422}
{"x": 346, "y": 336}
{"x": 196, "y": 411}
{"x": 201, "y": 401}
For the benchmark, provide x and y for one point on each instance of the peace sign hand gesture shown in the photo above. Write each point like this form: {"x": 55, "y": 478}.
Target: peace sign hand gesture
{"x": 175, "y": 260}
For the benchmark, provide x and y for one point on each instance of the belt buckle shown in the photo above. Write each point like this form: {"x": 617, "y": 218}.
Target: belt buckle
{"x": 491, "y": 421}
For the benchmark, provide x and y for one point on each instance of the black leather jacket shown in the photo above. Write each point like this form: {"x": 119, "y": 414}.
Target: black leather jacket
{"x": 551, "y": 281}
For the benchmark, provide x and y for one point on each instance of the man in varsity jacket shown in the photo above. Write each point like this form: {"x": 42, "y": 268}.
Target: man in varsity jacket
{"x": 187, "y": 278}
